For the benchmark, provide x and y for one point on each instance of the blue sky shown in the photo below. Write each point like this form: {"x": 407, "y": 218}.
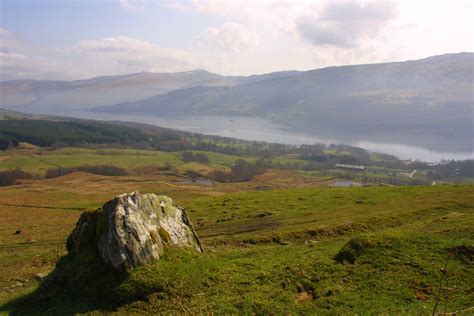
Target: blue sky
{"x": 72, "y": 39}
{"x": 69, "y": 21}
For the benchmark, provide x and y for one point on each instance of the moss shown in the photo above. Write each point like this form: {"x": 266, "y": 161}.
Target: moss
{"x": 354, "y": 248}
{"x": 100, "y": 222}
{"x": 383, "y": 247}
{"x": 165, "y": 236}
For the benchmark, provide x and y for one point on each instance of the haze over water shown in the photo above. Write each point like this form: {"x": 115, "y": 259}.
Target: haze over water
{"x": 264, "y": 130}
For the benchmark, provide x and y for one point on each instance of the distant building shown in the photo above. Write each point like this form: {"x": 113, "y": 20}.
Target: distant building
{"x": 352, "y": 167}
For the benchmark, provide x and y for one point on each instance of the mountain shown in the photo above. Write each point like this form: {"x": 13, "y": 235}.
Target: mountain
{"x": 42, "y": 94}
{"x": 49, "y": 96}
{"x": 390, "y": 102}
{"x": 426, "y": 102}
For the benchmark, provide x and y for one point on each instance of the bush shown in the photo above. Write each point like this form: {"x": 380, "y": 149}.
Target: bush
{"x": 375, "y": 248}
{"x": 7, "y": 142}
{"x": 189, "y": 156}
{"x": 353, "y": 249}
{"x": 193, "y": 175}
{"x": 10, "y": 177}
{"x": 104, "y": 170}
{"x": 241, "y": 171}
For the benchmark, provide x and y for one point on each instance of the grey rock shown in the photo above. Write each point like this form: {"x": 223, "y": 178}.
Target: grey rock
{"x": 134, "y": 229}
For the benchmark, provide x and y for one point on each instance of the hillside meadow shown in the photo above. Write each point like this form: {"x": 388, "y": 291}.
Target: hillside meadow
{"x": 296, "y": 246}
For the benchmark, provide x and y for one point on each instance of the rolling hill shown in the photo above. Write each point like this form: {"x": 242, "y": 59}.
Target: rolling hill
{"x": 391, "y": 102}
{"x": 48, "y": 96}
{"x": 427, "y": 102}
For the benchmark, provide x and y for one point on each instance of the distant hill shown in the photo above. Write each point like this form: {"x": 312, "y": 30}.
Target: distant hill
{"x": 427, "y": 102}
{"x": 413, "y": 99}
{"x": 48, "y": 96}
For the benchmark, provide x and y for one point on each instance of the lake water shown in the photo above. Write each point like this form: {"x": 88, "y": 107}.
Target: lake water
{"x": 345, "y": 183}
{"x": 264, "y": 130}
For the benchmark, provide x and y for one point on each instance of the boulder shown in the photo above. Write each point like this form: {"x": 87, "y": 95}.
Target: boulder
{"x": 133, "y": 229}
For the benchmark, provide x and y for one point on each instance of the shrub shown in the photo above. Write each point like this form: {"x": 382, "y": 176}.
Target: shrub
{"x": 10, "y": 177}
{"x": 241, "y": 171}
{"x": 353, "y": 249}
{"x": 193, "y": 175}
{"x": 104, "y": 170}
{"x": 188, "y": 156}
{"x": 7, "y": 142}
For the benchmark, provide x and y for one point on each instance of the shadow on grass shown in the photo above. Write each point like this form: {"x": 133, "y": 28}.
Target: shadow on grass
{"x": 82, "y": 283}
{"x": 78, "y": 284}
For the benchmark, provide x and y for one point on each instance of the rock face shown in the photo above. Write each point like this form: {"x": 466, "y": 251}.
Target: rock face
{"x": 133, "y": 229}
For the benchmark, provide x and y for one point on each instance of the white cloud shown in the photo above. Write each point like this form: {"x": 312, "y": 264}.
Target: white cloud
{"x": 109, "y": 55}
{"x": 18, "y": 60}
{"x": 325, "y": 22}
{"x": 22, "y": 66}
{"x": 346, "y": 24}
{"x": 264, "y": 36}
{"x": 8, "y": 41}
{"x": 129, "y": 54}
{"x": 233, "y": 36}
{"x": 274, "y": 13}
{"x": 133, "y": 4}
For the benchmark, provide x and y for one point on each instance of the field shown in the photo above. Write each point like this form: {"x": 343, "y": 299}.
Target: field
{"x": 38, "y": 160}
{"x": 281, "y": 243}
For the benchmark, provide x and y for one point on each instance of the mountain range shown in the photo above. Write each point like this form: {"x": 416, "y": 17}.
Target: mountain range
{"x": 427, "y": 101}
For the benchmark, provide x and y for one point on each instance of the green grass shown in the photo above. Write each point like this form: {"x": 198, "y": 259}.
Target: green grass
{"x": 397, "y": 273}
{"x": 74, "y": 157}
{"x": 38, "y": 161}
{"x": 310, "y": 212}
{"x": 375, "y": 250}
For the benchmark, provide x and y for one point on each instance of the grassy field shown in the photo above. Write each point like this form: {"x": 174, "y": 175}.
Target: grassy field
{"x": 39, "y": 160}
{"x": 295, "y": 247}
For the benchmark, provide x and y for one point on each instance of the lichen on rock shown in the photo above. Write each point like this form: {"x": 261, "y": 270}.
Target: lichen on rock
{"x": 133, "y": 229}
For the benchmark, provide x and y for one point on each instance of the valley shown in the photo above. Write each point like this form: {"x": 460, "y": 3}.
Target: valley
{"x": 411, "y": 109}
{"x": 239, "y": 157}
{"x": 283, "y": 227}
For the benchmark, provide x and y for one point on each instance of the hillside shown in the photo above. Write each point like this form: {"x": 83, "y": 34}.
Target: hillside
{"x": 36, "y": 143}
{"x": 338, "y": 250}
{"x": 423, "y": 102}
{"x": 43, "y": 96}
{"x": 279, "y": 235}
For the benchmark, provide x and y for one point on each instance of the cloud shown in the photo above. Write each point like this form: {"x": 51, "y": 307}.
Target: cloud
{"x": 18, "y": 61}
{"x": 133, "y": 4}
{"x": 346, "y": 24}
{"x": 275, "y": 13}
{"x": 109, "y": 55}
{"x": 22, "y": 66}
{"x": 8, "y": 41}
{"x": 264, "y": 36}
{"x": 342, "y": 23}
{"x": 130, "y": 52}
{"x": 233, "y": 36}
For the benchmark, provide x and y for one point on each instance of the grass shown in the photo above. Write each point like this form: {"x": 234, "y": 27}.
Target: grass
{"x": 281, "y": 243}
{"x": 396, "y": 273}
{"x": 39, "y": 160}
{"x": 306, "y": 212}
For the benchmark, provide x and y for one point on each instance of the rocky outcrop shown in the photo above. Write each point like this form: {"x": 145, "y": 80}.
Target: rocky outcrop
{"x": 133, "y": 229}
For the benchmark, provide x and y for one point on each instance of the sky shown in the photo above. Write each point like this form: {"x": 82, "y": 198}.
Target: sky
{"x": 78, "y": 39}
